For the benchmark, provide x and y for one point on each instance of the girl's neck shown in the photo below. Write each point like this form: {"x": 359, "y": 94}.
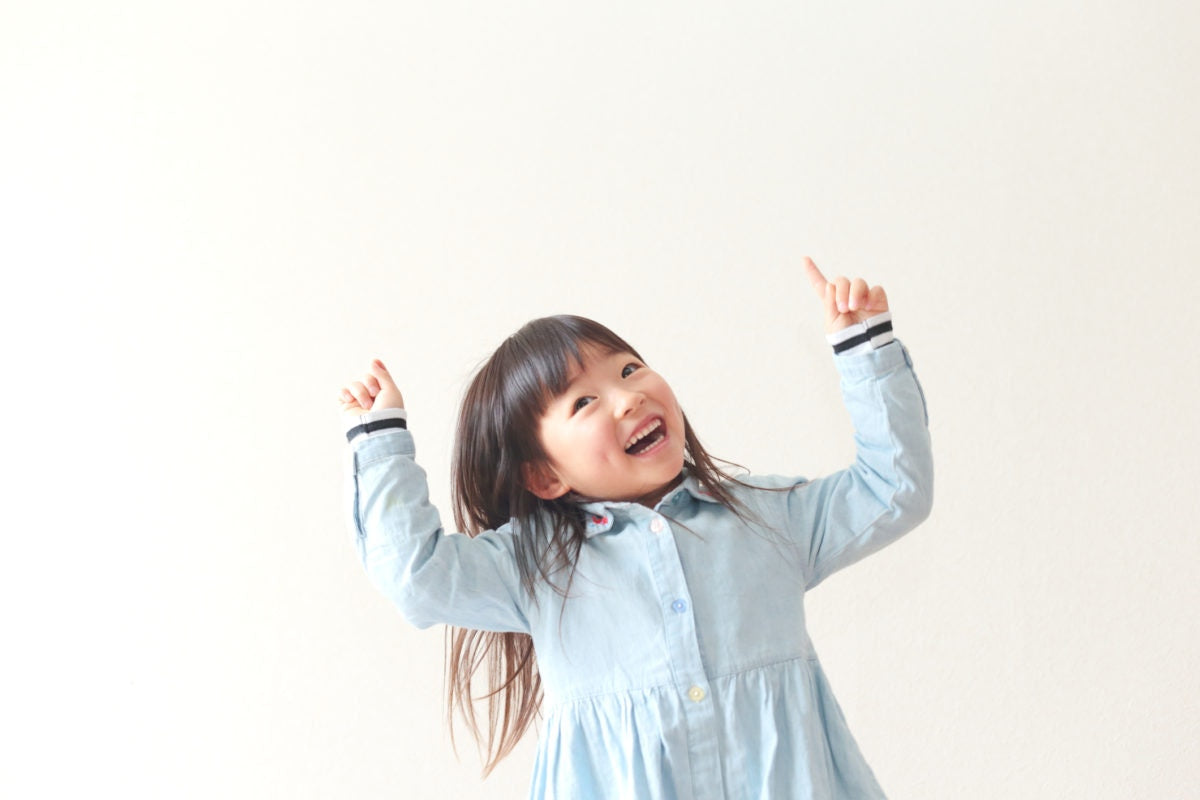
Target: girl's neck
{"x": 651, "y": 500}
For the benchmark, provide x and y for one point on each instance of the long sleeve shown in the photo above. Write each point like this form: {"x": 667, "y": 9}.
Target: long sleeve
{"x": 888, "y": 491}
{"x": 431, "y": 576}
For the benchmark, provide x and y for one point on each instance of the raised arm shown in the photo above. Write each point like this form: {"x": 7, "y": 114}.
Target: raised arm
{"x": 888, "y": 490}
{"x": 431, "y": 576}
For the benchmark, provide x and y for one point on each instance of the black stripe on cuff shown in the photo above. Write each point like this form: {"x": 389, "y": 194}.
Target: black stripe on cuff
{"x": 371, "y": 427}
{"x": 868, "y": 335}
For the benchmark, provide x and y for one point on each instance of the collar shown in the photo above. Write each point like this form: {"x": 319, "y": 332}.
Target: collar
{"x": 600, "y": 513}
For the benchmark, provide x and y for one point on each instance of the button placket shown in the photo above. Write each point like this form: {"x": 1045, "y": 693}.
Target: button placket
{"x": 683, "y": 648}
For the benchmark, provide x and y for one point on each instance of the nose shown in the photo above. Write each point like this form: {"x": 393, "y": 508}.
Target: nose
{"x": 628, "y": 401}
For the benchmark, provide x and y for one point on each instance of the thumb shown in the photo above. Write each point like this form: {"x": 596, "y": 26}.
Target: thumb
{"x": 381, "y": 374}
{"x": 389, "y": 395}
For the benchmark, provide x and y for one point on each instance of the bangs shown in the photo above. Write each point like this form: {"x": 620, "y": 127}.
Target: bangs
{"x": 544, "y": 355}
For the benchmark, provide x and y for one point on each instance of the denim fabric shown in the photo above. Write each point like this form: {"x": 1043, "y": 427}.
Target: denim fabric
{"x": 680, "y": 665}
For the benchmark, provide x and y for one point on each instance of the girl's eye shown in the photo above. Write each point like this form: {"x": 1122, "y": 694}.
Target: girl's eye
{"x": 630, "y": 369}
{"x": 580, "y": 403}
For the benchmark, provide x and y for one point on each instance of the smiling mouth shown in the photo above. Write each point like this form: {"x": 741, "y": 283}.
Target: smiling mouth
{"x": 646, "y": 438}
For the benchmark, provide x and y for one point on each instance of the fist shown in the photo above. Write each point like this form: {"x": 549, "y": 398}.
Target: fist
{"x": 846, "y": 302}
{"x": 376, "y": 390}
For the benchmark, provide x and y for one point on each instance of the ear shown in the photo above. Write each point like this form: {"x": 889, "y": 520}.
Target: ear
{"x": 541, "y": 481}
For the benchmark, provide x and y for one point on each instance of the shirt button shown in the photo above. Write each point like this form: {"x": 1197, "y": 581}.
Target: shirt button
{"x": 656, "y": 525}
{"x": 680, "y": 606}
{"x": 695, "y": 694}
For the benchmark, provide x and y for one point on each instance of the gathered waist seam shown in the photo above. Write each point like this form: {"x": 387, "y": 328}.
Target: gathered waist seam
{"x": 742, "y": 670}
{"x": 626, "y": 694}
{"x": 618, "y": 693}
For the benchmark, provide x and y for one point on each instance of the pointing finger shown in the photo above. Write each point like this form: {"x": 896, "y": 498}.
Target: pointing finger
{"x": 815, "y": 277}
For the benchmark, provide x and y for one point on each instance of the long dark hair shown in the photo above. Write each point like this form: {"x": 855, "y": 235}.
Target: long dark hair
{"x": 496, "y": 438}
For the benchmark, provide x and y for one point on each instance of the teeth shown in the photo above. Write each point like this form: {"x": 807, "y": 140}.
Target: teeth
{"x": 643, "y": 434}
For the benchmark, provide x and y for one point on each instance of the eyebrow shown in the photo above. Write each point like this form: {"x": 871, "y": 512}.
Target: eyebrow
{"x": 573, "y": 379}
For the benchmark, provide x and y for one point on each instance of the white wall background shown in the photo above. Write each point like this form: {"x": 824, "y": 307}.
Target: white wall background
{"x": 215, "y": 214}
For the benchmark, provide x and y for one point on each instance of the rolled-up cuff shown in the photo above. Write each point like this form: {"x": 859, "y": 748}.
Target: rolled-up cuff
{"x": 374, "y": 423}
{"x": 870, "y": 334}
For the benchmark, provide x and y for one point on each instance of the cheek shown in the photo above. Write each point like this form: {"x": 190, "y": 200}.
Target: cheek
{"x": 587, "y": 445}
{"x": 676, "y": 409}
{"x": 556, "y": 444}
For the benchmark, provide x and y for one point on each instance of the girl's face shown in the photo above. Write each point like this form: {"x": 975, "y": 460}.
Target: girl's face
{"x": 616, "y": 433}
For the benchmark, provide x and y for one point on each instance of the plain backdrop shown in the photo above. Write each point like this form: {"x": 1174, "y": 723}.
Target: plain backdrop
{"x": 214, "y": 215}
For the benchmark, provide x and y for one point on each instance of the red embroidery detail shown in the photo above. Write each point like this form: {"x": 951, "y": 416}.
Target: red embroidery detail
{"x": 599, "y": 520}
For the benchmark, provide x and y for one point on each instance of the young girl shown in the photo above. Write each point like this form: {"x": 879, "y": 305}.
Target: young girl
{"x": 617, "y": 583}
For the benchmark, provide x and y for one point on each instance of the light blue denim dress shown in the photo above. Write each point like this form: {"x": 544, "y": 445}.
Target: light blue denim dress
{"x": 680, "y": 666}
